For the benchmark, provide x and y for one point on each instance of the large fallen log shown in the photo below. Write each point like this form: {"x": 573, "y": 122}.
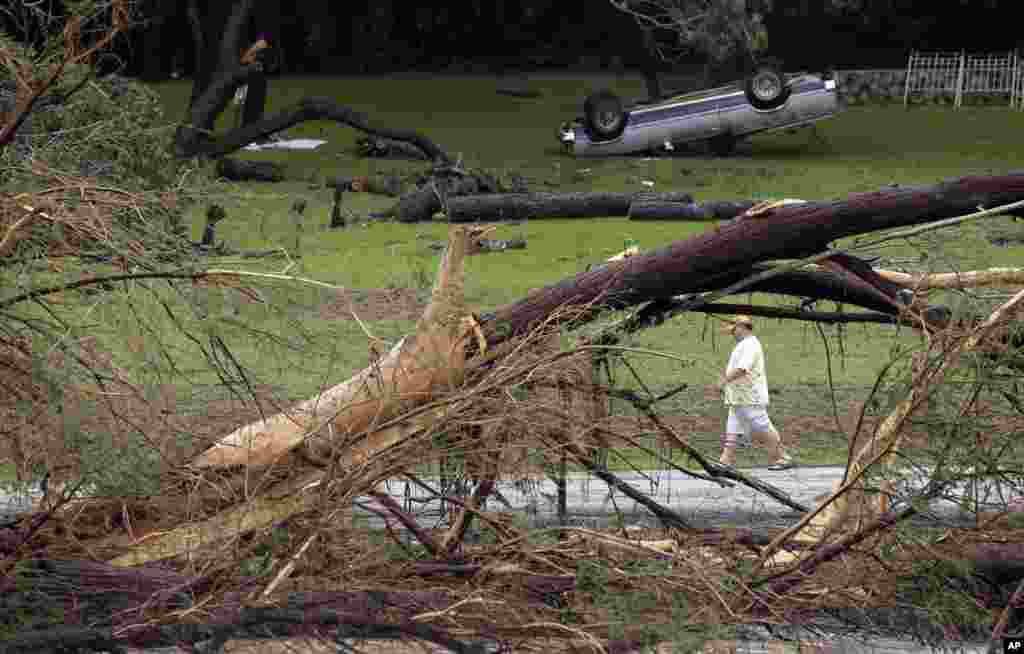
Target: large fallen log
{"x": 245, "y": 170}
{"x": 384, "y": 148}
{"x": 190, "y": 141}
{"x": 438, "y": 191}
{"x": 523, "y": 206}
{"x": 648, "y": 209}
{"x": 105, "y": 608}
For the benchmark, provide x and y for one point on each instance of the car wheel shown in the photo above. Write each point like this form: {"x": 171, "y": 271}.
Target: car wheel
{"x": 722, "y": 145}
{"x": 767, "y": 88}
{"x": 604, "y": 116}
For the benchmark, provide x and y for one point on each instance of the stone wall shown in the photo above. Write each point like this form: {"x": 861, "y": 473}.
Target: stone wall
{"x": 881, "y": 86}
{"x": 877, "y": 86}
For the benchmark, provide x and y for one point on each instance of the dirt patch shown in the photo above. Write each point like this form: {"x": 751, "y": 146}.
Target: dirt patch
{"x": 375, "y": 304}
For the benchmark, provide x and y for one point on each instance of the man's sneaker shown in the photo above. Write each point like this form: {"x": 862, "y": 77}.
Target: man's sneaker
{"x": 784, "y": 464}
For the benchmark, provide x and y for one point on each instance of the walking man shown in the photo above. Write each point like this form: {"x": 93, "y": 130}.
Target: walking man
{"x": 744, "y": 387}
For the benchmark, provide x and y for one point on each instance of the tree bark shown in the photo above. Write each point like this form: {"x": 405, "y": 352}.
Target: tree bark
{"x": 522, "y": 206}
{"x": 189, "y": 143}
{"x": 429, "y": 198}
{"x": 659, "y": 210}
{"x": 793, "y": 231}
{"x": 382, "y": 148}
{"x": 243, "y": 169}
{"x": 379, "y": 185}
{"x": 219, "y": 75}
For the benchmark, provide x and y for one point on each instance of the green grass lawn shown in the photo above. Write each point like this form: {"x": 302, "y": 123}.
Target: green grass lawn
{"x": 863, "y": 149}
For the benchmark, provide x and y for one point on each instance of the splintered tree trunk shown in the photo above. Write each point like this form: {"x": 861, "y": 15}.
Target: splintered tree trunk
{"x": 788, "y": 232}
{"x": 521, "y": 206}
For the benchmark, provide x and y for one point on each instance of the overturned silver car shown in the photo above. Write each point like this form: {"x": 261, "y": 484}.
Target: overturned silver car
{"x": 767, "y": 100}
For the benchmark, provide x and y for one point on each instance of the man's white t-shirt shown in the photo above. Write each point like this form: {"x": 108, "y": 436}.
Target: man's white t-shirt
{"x": 750, "y": 389}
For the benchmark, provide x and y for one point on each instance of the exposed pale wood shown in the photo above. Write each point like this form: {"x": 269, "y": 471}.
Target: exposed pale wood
{"x": 429, "y": 362}
{"x": 282, "y": 501}
{"x": 415, "y": 369}
{"x": 967, "y": 279}
{"x": 255, "y": 514}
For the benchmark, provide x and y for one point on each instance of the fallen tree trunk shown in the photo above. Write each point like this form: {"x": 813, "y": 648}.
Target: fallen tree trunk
{"x": 378, "y": 185}
{"x": 385, "y": 148}
{"x": 523, "y": 206}
{"x": 190, "y": 142}
{"x": 241, "y": 170}
{"x": 707, "y": 211}
{"x": 422, "y": 203}
{"x": 790, "y": 232}
{"x": 114, "y": 602}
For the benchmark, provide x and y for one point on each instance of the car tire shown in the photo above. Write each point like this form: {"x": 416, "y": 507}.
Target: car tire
{"x": 722, "y": 145}
{"x": 604, "y": 115}
{"x": 767, "y": 88}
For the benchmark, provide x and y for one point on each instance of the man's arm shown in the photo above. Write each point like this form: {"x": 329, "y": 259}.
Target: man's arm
{"x": 731, "y": 376}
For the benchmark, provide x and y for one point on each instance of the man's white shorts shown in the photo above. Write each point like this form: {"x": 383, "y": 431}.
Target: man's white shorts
{"x": 745, "y": 419}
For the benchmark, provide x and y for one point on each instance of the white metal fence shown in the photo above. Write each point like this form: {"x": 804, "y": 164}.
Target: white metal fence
{"x": 959, "y": 74}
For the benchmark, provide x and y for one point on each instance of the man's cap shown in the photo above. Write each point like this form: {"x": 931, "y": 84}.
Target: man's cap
{"x": 738, "y": 320}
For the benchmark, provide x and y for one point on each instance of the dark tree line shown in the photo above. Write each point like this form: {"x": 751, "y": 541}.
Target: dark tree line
{"x": 315, "y": 36}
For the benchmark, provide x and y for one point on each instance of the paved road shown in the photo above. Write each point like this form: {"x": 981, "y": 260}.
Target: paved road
{"x": 699, "y": 501}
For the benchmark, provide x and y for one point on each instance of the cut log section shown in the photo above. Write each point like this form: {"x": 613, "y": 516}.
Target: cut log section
{"x": 244, "y": 170}
{"x": 523, "y": 206}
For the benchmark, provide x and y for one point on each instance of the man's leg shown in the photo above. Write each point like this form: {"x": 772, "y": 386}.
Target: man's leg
{"x": 734, "y": 431}
{"x": 763, "y": 429}
{"x": 255, "y": 100}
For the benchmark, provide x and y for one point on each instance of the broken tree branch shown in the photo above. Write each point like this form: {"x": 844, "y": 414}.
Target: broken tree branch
{"x": 956, "y": 280}
{"x": 313, "y": 108}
